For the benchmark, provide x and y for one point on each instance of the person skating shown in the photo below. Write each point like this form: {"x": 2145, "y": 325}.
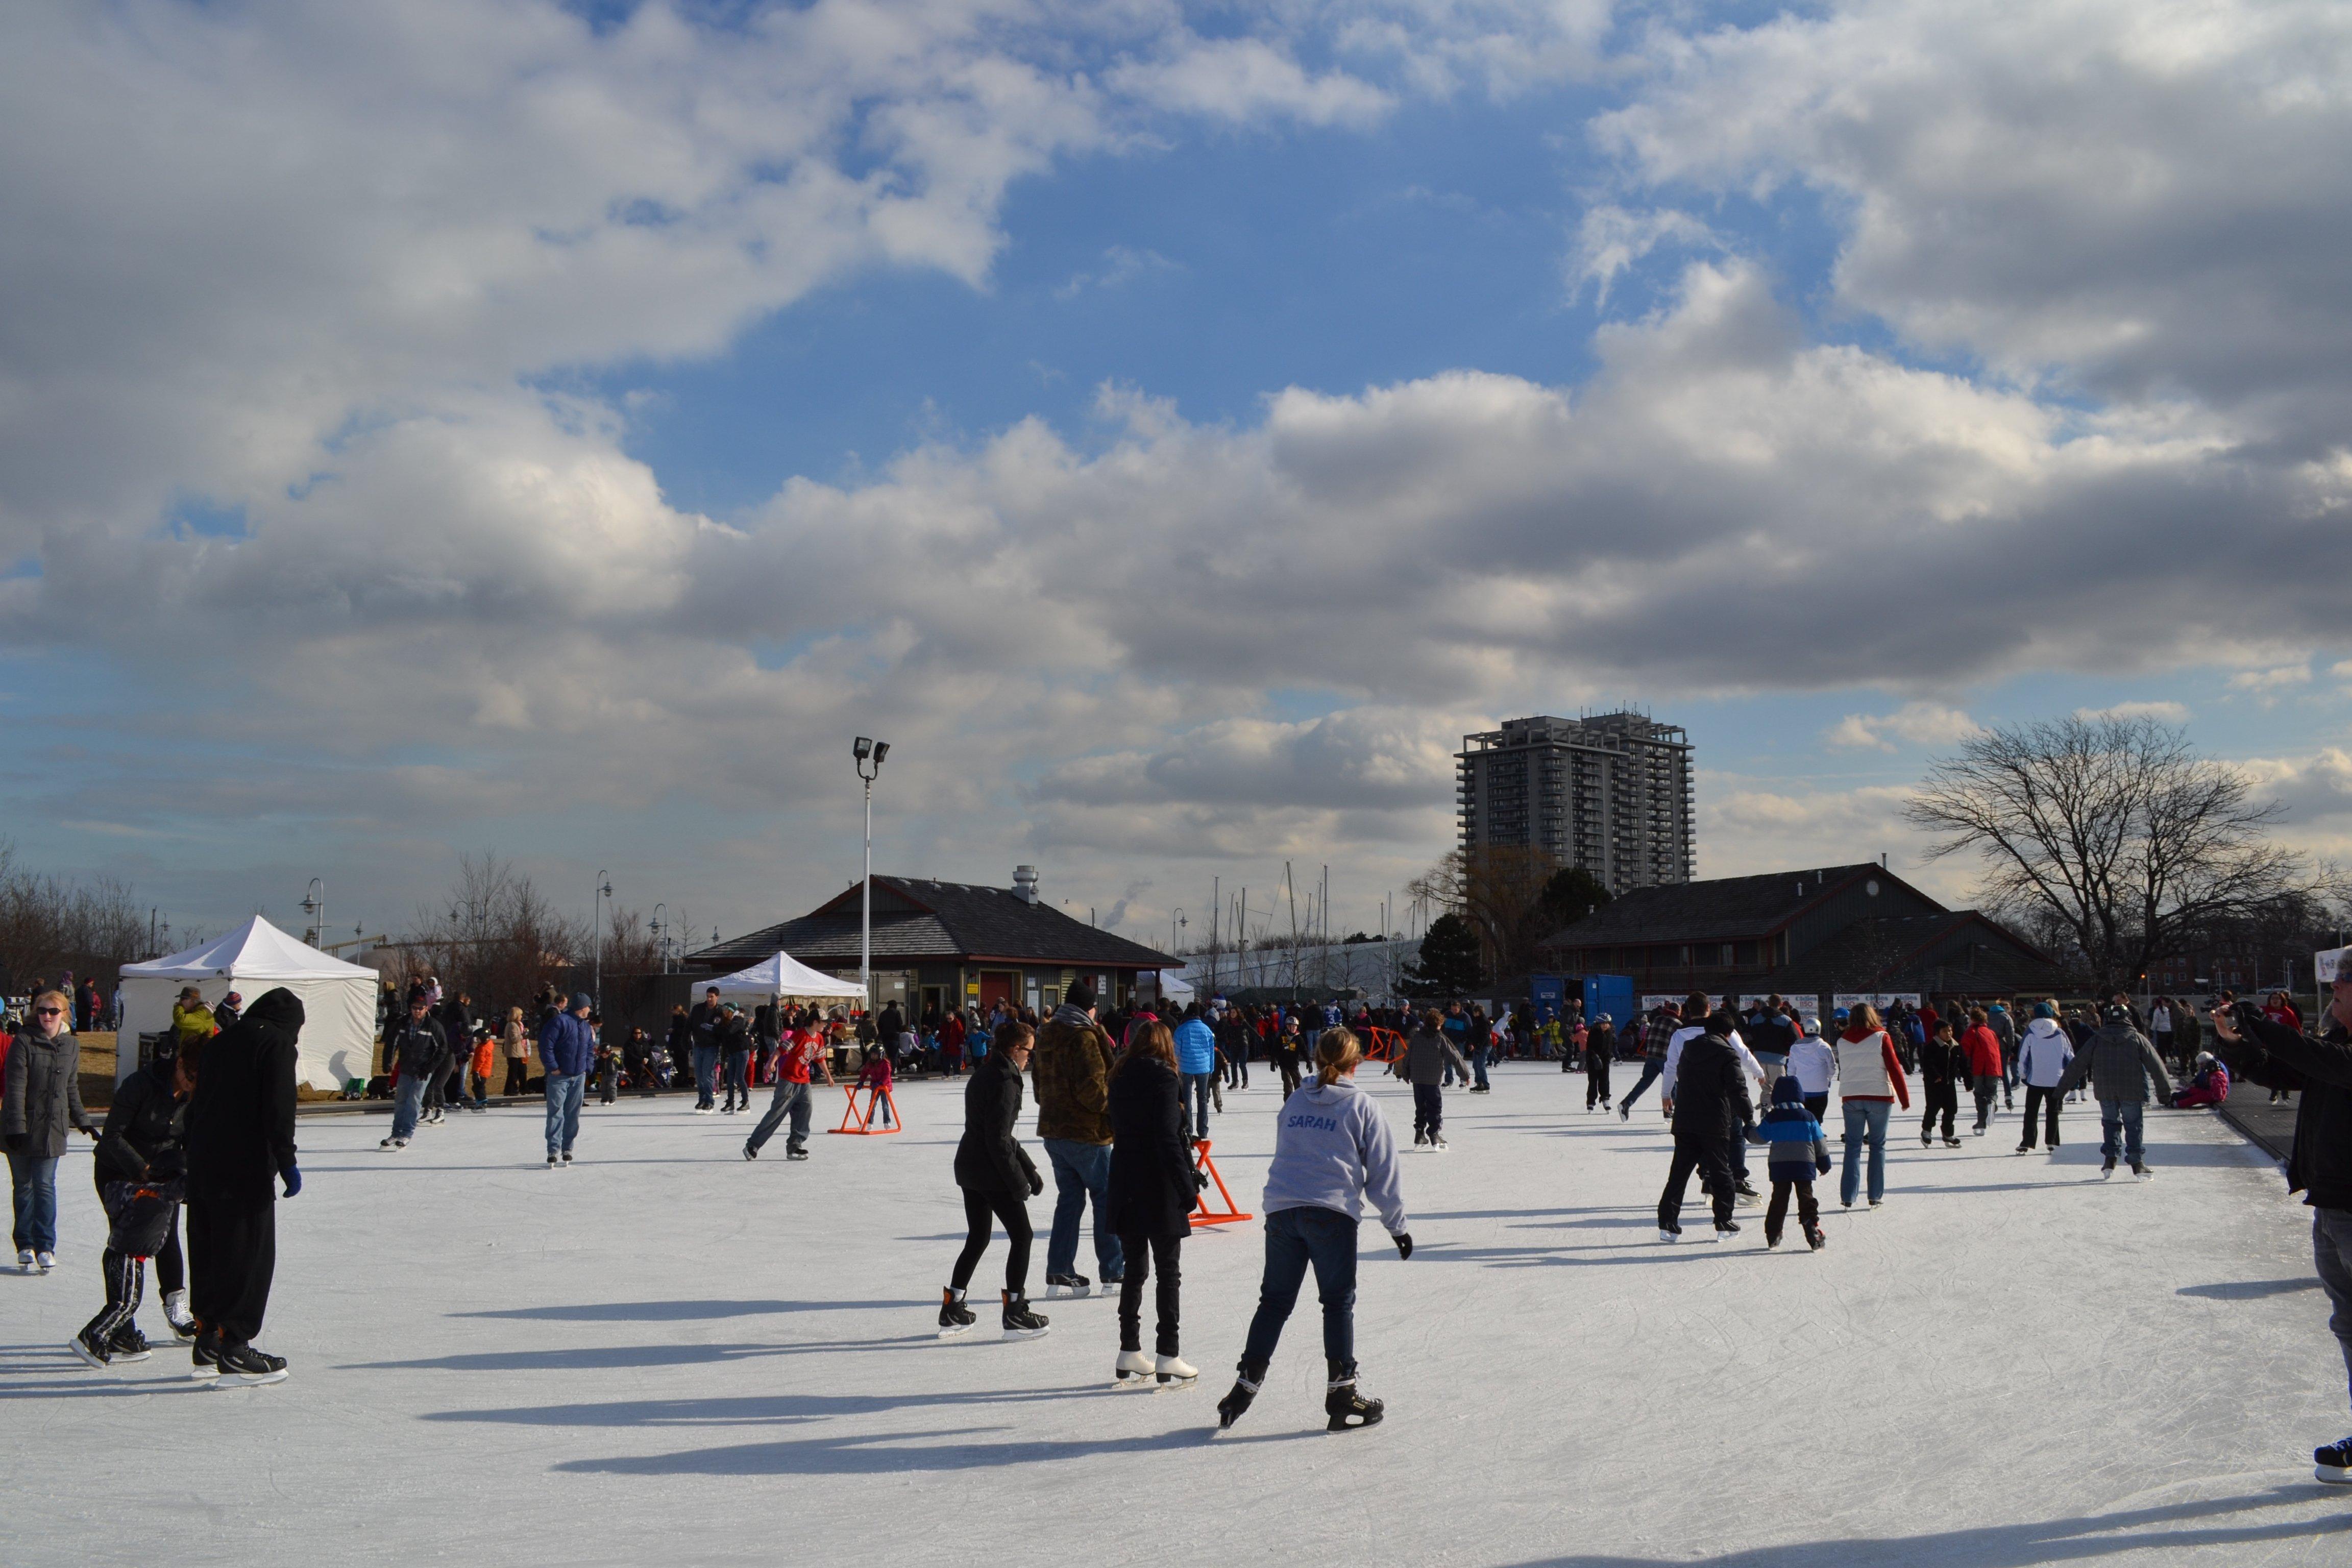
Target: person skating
{"x": 702, "y": 1033}
{"x": 1073, "y": 1061}
{"x": 2319, "y": 1162}
{"x": 1154, "y": 1187}
{"x": 416, "y": 1046}
{"x": 1942, "y": 1066}
{"x": 567, "y": 1048}
{"x": 240, "y": 1146}
{"x": 799, "y": 1057}
{"x": 40, "y": 1104}
{"x": 2043, "y": 1055}
{"x": 1813, "y": 1063}
{"x": 1599, "y": 1051}
{"x": 1196, "y": 1065}
{"x": 874, "y": 1081}
{"x": 998, "y": 1179}
{"x": 1981, "y": 1045}
{"x": 1870, "y": 1084}
{"x": 1332, "y": 1150}
{"x": 1712, "y": 1110}
{"x": 141, "y": 1173}
{"x": 1699, "y": 1020}
{"x": 1427, "y": 1056}
{"x": 1801, "y": 1151}
{"x": 733, "y": 1038}
{"x": 2119, "y": 1063}
{"x": 1657, "y": 1031}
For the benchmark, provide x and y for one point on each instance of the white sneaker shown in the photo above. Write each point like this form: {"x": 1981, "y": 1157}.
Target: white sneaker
{"x": 45, "y": 1261}
{"x": 1174, "y": 1369}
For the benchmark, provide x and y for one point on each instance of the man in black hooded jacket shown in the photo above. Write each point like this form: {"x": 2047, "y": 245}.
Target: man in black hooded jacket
{"x": 2319, "y": 1165}
{"x": 240, "y": 1144}
{"x": 1712, "y": 1111}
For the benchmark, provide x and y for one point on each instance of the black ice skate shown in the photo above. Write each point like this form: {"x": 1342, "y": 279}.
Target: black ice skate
{"x": 1816, "y": 1239}
{"x": 242, "y": 1366}
{"x": 1237, "y": 1398}
{"x": 204, "y": 1357}
{"x": 1057, "y": 1285}
{"x": 1345, "y": 1403}
{"x": 1020, "y": 1323}
{"x": 2333, "y": 1464}
{"x": 954, "y": 1316}
{"x": 130, "y": 1344}
{"x": 92, "y": 1348}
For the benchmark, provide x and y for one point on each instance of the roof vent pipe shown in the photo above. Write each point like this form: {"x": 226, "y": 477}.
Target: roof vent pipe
{"x": 1024, "y": 883}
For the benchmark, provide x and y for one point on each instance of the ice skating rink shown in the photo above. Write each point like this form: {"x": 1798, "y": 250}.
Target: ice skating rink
{"x": 667, "y": 1355}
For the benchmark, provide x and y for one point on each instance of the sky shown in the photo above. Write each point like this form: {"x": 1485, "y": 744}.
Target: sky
{"x": 557, "y": 430}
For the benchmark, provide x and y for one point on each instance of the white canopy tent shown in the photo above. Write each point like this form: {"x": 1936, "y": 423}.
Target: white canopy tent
{"x": 783, "y": 975}
{"x": 338, "y": 1039}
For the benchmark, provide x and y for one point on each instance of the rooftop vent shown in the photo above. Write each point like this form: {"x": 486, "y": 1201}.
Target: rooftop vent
{"x": 1024, "y": 883}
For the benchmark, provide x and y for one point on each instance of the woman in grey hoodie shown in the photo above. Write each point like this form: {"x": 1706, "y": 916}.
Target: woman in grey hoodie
{"x": 1332, "y": 1150}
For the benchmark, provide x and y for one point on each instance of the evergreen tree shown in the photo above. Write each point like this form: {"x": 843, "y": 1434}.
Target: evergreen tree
{"x": 1449, "y": 961}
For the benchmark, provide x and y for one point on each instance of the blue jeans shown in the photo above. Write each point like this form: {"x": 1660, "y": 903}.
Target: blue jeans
{"x": 1196, "y": 1090}
{"x": 1652, "y": 1069}
{"x": 706, "y": 1075}
{"x": 1294, "y": 1240}
{"x": 738, "y": 1071}
{"x": 2119, "y": 1121}
{"x": 406, "y": 1101}
{"x": 1081, "y": 1171}
{"x": 1479, "y": 1059}
{"x": 1866, "y": 1120}
{"x": 563, "y": 1095}
{"x": 2331, "y": 1249}
{"x": 33, "y": 1182}
{"x": 791, "y": 1099}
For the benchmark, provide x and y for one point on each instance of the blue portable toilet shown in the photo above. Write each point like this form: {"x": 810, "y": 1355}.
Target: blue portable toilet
{"x": 1546, "y": 993}
{"x": 1610, "y": 994}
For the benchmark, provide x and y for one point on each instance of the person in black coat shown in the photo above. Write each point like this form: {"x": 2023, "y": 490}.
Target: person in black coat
{"x": 1942, "y": 1066}
{"x": 998, "y": 1180}
{"x": 140, "y": 1170}
{"x": 240, "y": 1144}
{"x": 1154, "y": 1186}
{"x": 1712, "y": 1111}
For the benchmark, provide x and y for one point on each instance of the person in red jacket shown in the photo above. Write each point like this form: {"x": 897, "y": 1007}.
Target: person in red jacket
{"x": 1981, "y": 1046}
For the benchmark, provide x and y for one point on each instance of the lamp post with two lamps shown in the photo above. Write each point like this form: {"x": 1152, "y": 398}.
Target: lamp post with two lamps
{"x": 867, "y": 750}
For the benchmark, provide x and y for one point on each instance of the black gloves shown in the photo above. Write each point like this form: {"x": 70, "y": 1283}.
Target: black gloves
{"x": 17, "y": 1142}
{"x": 1200, "y": 1180}
{"x": 1036, "y": 1185}
{"x": 292, "y": 1176}
{"x": 1404, "y": 1245}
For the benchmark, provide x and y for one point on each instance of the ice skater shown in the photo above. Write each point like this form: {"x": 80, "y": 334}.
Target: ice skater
{"x": 1332, "y": 1150}
{"x": 1657, "y": 1029}
{"x": 998, "y": 1180}
{"x": 803, "y": 1054}
{"x": 2319, "y": 1163}
{"x": 2042, "y": 1057}
{"x": 1801, "y": 1151}
{"x": 1427, "y": 1056}
{"x": 1155, "y": 1184}
{"x": 567, "y": 1049}
{"x": 415, "y": 1048}
{"x": 240, "y": 1146}
{"x": 41, "y": 1102}
{"x": 1712, "y": 1110}
{"x": 1941, "y": 1068}
{"x": 1599, "y": 1051}
{"x": 2118, "y": 1063}
{"x": 141, "y": 1173}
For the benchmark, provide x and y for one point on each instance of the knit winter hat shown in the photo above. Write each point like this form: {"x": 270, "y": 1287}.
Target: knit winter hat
{"x": 1787, "y": 1091}
{"x": 2045, "y": 1010}
{"x": 1080, "y": 995}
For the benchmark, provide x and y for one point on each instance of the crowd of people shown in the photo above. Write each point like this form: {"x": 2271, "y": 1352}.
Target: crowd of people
{"x": 204, "y": 1131}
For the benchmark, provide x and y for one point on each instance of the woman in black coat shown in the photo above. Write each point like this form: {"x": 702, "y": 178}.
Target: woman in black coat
{"x": 1153, "y": 1189}
{"x": 998, "y": 1181}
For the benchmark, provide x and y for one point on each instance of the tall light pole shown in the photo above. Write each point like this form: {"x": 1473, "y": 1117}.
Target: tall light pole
{"x": 661, "y": 942}
{"x": 314, "y": 904}
{"x": 596, "y": 919}
{"x": 867, "y": 751}
{"x": 1176, "y": 922}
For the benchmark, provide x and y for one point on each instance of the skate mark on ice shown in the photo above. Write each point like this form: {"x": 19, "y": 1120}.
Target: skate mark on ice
{"x": 681, "y": 1311}
{"x": 750, "y": 1410}
{"x": 593, "y": 1357}
{"x": 884, "y": 1453}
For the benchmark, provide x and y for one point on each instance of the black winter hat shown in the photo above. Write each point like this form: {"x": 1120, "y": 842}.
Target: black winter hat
{"x": 1080, "y": 995}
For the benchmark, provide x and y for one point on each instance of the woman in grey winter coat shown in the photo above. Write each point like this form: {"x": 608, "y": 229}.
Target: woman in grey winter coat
{"x": 41, "y": 1101}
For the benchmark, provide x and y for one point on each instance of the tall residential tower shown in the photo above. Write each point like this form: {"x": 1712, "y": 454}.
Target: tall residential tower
{"x": 1608, "y": 792}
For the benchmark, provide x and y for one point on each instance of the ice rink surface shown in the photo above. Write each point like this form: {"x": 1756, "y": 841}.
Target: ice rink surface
{"x": 667, "y": 1355}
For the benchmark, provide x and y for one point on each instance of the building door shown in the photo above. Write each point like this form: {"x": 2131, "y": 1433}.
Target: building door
{"x": 997, "y": 985}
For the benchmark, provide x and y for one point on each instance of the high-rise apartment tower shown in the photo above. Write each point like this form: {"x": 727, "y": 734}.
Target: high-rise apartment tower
{"x": 1608, "y": 792}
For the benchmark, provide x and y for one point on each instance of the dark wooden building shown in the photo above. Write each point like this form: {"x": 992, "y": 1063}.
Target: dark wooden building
{"x": 1801, "y": 933}
{"x": 941, "y": 945}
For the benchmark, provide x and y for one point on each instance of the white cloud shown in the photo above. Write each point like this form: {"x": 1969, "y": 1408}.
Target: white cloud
{"x": 1921, "y": 723}
{"x": 1611, "y": 239}
{"x": 2166, "y": 711}
{"x": 2267, "y": 684}
{"x": 1121, "y": 264}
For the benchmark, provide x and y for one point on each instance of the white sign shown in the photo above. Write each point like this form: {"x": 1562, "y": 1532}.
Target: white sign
{"x": 2329, "y": 964}
{"x": 1659, "y": 999}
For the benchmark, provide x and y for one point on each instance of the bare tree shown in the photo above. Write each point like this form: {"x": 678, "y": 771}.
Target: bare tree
{"x": 49, "y": 925}
{"x": 2109, "y": 838}
{"x": 495, "y": 936}
{"x": 1499, "y": 890}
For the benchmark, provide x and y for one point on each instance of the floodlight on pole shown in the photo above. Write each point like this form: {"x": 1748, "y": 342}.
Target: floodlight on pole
{"x": 314, "y": 904}
{"x": 867, "y": 751}
{"x": 604, "y": 891}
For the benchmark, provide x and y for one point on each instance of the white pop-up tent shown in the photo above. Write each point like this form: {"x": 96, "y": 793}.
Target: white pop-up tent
{"x": 783, "y": 975}
{"x": 338, "y": 1040}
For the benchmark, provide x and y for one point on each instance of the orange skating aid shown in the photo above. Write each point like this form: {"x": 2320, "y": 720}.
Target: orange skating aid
{"x": 1202, "y": 1213}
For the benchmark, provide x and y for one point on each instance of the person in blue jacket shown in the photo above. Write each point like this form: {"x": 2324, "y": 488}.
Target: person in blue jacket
{"x": 1196, "y": 1065}
{"x": 1801, "y": 1151}
{"x": 566, "y": 1046}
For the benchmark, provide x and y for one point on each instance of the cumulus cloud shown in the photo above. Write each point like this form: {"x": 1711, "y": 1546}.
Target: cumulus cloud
{"x": 2165, "y": 711}
{"x": 1611, "y": 239}
{"x": 1921, "y": 723}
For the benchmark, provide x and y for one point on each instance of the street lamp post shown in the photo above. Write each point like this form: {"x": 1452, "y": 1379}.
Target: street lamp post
{"x": 604, "y": 891}
{"x": 661, "y": 942}
{"x": 867, "y": 750}
{"x": 314, "y": 904}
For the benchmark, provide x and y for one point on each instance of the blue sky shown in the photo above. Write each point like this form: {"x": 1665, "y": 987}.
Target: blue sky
{"x": 1174, "y": 427}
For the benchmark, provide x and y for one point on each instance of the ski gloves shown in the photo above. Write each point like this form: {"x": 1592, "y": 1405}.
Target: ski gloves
{"x": 1036, "y": 1185}
{"x": 1404, "y": 1245}
{"x": 292, "y": 1176}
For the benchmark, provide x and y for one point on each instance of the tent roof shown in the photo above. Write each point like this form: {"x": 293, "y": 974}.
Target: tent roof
{"x": 254, "y": 950}
{"x": 783, "y": 975}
